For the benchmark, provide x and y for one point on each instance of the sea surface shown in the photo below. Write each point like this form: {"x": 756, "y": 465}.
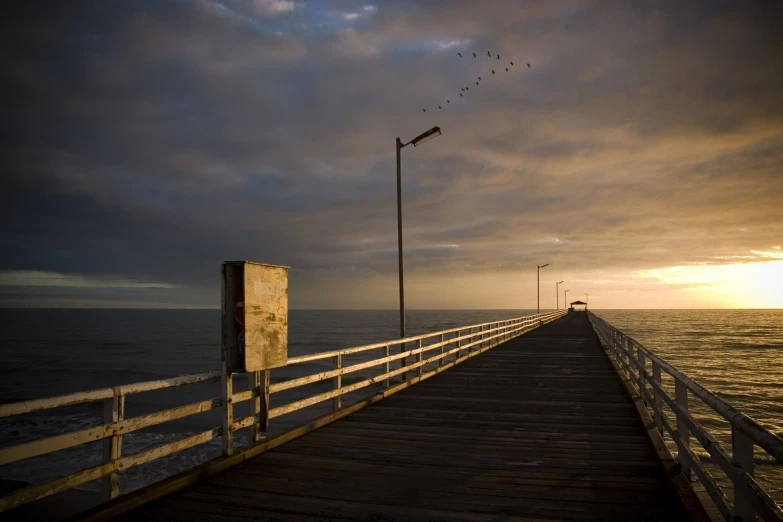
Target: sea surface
{"x": 738, "y": 354}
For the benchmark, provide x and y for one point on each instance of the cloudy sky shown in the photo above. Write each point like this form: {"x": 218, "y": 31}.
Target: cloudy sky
{"x": 641, "y": 154}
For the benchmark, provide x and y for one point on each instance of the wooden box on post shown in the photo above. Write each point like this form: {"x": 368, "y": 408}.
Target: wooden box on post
{"x": 255, "y": 316}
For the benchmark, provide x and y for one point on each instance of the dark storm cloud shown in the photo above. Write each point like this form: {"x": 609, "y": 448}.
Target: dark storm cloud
{"x": 152, "y": 140}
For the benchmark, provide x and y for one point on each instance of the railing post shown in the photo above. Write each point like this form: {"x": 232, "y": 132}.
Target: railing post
{"x": 113, "y": 412}
{"x": 418, "y": 358}
{"x": 259, "y": 384}
{"x": 228, "y": 410}
{"x": 681, "y": 396}
{"x": 442, "y": 348}
{"x": 642, "y": 381}
{"x": 403, "y": 363}
{"x": 337, "y": 383}
{"x": 459, "y": 334}
{"x": 386, "y": 367}
{"x": 625, "y": 343}
{"x": 658, "y": 401}
{"x": 254, "y": 380}
{"x": 263, "y": 413}
{"x": 742, "y": 458}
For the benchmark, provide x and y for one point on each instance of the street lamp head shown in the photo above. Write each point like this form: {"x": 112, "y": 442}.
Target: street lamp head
{"x": 559, "y": 282}
{"x": 542, "y": 266}
{"x": 421, "y": 138}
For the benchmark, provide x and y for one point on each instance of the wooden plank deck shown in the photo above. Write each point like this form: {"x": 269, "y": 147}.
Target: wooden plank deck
{"x": 539, "y": 428}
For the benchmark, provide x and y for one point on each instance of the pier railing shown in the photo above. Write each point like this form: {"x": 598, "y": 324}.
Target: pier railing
{"x": 672, "y": 414}
{"x": 416, "y": 358}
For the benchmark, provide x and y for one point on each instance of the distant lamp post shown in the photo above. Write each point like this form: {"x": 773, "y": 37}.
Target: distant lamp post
{"x": 538, "y": 287}
{"x": 557, "y": 294}
{"x": 587, "y": 300}
{"x": 565, "y": 299}
{"x": 418, "y": 140}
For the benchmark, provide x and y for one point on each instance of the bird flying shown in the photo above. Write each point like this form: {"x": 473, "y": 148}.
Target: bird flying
{"x": 464, "y": 90}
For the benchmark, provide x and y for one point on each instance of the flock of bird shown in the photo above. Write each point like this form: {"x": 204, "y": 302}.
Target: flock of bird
{"x": 465, "y": 90}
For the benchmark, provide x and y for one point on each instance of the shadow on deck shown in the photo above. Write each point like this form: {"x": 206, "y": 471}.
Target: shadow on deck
{"x": 539, "y": 428}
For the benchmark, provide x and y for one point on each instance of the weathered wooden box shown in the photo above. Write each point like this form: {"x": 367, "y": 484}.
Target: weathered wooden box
{"x": 255, "y": 316}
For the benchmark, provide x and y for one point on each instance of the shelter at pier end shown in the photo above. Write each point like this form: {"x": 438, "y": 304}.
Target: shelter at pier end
{"x": 578, "y": 306}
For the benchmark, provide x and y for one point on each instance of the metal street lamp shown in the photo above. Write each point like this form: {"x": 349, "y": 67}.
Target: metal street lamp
{"x": 418, "y": 140}
{"x": 538, "y": 287}
{"x": 557, "y": 294}
{"x": 587, "y": 300}
{"x": 565, "y": 299}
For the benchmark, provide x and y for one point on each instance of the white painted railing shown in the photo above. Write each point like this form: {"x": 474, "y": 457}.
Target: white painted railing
{"x": 116, "y": 425}
{"x": 443, "y": 350}
{"x": 645, "y": 370}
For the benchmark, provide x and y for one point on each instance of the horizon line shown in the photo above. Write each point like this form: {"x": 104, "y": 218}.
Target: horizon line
{"x": 351, "y": 309}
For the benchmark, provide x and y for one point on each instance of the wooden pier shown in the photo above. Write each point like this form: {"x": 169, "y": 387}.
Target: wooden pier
{"x": 542, "y": 417}
{"x": 539, "y": 428}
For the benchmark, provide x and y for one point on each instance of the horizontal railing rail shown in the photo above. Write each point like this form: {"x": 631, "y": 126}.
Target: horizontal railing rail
{"x": 456, "y": 344}
{"x": 645, "y": 370}
{"x": 111, "y": 432}
{"x": 446, "y": 342}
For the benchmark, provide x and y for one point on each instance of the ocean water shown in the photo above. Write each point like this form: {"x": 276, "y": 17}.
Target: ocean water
{"x": 736, "y": 353}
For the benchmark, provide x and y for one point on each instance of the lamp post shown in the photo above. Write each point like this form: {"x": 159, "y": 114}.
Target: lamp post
{"x": 538, "y": 287}
{"x": 565, "y": 299}
{"x": 587, "y": 300}
{"x": 557, "y": 294}
{"x": 418, "y": 140}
